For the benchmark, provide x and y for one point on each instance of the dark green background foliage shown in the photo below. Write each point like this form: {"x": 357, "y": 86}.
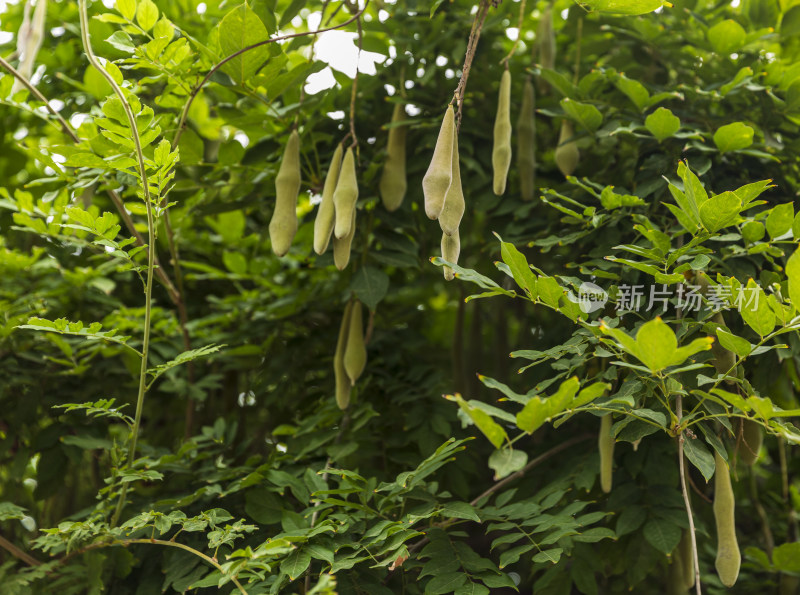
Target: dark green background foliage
{"x": 234, "y": 439}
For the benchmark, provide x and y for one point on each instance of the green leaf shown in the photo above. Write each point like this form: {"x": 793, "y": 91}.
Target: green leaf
{"x": 662, "y": 123}
{"x": 241, "y": 28}
{"x": 506, "y": 461}
{"x": 623, "y": 7}
{"x": 755, "y": 309}
{"x": 291, "y": 11}
{"x": 126, "y": 8}
{"x": 699, "y": 456}
{"x": 490, "y": 428}
{"x": 460, "y": 510}
{"x": 656, "y": 344}
{"x": 786, "y": 557}
{"x": 445, "y": 583}
{"x": 793, "y": 273}
{"x": 720, "y": 211}
{"x": 520, "y": 269}
{"x": 235, "y": 262}
{"x": 296, "y": 563}
{"x": 183, "y": 358}
{"x": 727, "y": 36}
{"x": 146, "y": 14}
{"x": 662, "y": 534}
{"x": 780, "y": 219}
{"x": 584, "y": 114}
{"x": 733, "y": 137}
{"x": 370, "y": 286}
{"x": 549, "y": 291}
{"x": 738, "y": 345}
{"x": 552, "y": 555}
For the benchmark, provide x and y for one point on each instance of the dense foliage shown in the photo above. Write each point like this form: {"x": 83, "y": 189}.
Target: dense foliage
{"x": 224, "y": 462}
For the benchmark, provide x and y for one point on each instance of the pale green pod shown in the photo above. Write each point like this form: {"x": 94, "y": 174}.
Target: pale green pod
{"x": 605, "y": 444}
{"x": 546, "y": 39}
{"x": 454, "y": 205}
{"x": 567, "y": 154}
{"x": 343, "y": 384}
{"x": 440, "y": 172}
{"x": 355, "y": 354}
{"x": 341, "y": 246}
{"x": 750, "y": 442}
{"x": 345, "y": 196}
{"x": 393, "y": 179}
{"x": 687, "y": 559}
{"x": 501, "y": 150}
{"x": 323, "y": 224}
{"x": 729, "y": 558}
{"x": 283, "y": 224}
{"x": 451, "y": 249}
{"x": 526, "y": 142}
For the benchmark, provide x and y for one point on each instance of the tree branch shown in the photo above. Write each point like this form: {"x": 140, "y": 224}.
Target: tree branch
{"x": 18, "y": 553}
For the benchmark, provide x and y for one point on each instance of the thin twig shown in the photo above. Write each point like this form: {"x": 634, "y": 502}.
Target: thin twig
{"x": 519, "y": 34}
{"x": 18, "y": 553}
{"x": 472, "y": 46}
{"x": 221, "y": 63}
{"x": 687, "y": 503}
{"x": 354, "y": 88}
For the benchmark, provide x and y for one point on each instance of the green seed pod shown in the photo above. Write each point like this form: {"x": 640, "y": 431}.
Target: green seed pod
{"x": 343, "y": 384}
{"x": 355, "y": 354}
{"x": 393, "y": 179}
{"x": 501, "y": 151}
{"x": 546, "y": 38}
{"x": 323, "y": 224}
{"x": 453, "y": 210}
{"x": 341, "y": 247}
{"x": 724, "y": 359}
{"x": 283, "y": 224}
{"x": 440, "y": 172}
{"x": 728, "y": 557}
{"x": 675, "y": 584}
{"x": 526, "y": 142}
{"x": 451, "y": 249}
{"x": 687, "y": 559}
{"x": 788, "y": 584}
{"x": 345, "y": 196}
{"x": 567, "y": 154}
{"x": 605, "y": 444}
{"x": 752, "y": 438}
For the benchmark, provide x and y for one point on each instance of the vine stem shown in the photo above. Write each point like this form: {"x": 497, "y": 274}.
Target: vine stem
{"x": 687, "y": 503}
{"x": 18, "y": 553}
{"x": 354, "y": 89}
{"x": 472, "y": 46}
{"x": 221, "y": 63}
{"x": 519, "y": 34}
{"x": 148, "y": 289}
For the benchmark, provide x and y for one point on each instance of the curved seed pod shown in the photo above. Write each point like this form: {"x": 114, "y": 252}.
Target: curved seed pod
{"x": 501, "y": 151}
{"x": 750, "y": 444}
{"x": 728, "y": 557}
{"x": 547, "y": 39}
{"x": 341, "y": 247}
{"x": 323, "y": 224}
{"x": 454, "y": 206}
{"x": 451, "y": 249}
{"x": 675, "y": 582}
{"x": 724, "y": 359}
{"x": 29, "y": 40}
{"x": 567, "y": 154}
{"x": 355, "y": 354}
{"x": 687, "y": 560}
{"x": 440, "y": 172}
{"x": 283, "y": 224}
{"x": 605, "y": 444}
{"x": 526, "y": 142}
{"x": 343, "y": 385}
{"x": 346, "y": 195}
{"x": 393, "y": 179}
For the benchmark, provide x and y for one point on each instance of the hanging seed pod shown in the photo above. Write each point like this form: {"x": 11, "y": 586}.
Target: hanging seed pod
{"x": 567, "y": 154}
{"x": 501, "y": 151}
{"x": 345, "y": 196}
{"x": 29, "y": 41}
{"x": 605, "y": 444}
{"x": 341, "y": 247}
{"x": 283, "y": 224}
{"x": 687, "y": 560}
{"x": 750, "y": 443}
{"x": 343, "y": 384}
{"x": 440, "y": 172}
{"x": 526, "y": 142}
{"x": 675, "y": 580}
{"x": 454, "y": 206}
{"x": 546, "y": 38}
{"x": 728, "y": 557}
{"x": 451, "y": 249}
{"x": 393, "y": 179}
{"x": 323, "y": 224}
{"x": 355, "y": 354}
